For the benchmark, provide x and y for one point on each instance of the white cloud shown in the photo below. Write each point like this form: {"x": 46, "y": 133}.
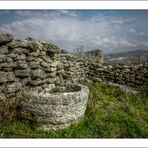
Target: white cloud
{"x": 132, "y": 30}
{"x": 69, "y": 31}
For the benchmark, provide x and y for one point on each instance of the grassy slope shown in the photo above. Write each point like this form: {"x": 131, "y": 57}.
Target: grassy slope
{"x": 110, "y": 114}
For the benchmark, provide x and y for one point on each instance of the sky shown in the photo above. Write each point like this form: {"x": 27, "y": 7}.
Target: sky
{"x": 108, "y": 30}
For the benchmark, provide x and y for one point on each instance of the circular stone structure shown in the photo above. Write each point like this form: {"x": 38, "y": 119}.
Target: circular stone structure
{"x": 55, "y": 108}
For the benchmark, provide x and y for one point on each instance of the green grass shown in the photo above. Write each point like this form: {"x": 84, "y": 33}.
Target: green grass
{"x": 110, "y": 114}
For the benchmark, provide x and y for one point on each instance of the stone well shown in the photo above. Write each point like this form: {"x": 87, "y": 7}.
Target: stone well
{"x": 55, "y": 108}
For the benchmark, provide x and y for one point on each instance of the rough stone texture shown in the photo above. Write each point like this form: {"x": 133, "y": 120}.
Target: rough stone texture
{"x": 95, "y": 56}
{"x": 55, "y": 110}
{"x": 71, "y": 69}
{"x": 134, "y": 76}
{"x": 5, "y": 38}
{"x": 6, "y": 77}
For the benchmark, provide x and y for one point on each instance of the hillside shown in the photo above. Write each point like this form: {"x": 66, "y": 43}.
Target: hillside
{"x": 137, "y": 56}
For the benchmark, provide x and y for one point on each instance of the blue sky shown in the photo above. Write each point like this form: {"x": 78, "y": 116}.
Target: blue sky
{"x": 109, "y": 30}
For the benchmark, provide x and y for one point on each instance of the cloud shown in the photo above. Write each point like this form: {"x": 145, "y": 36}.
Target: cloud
{"x": 132, "y": 30}
{"x": 69, "y": 30}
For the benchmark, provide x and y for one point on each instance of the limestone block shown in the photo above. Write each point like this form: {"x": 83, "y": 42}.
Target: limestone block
{"x": 22, "y": 73}
{"x": 6, "y": 77}
{"x": 3, "y": 49}
{"x": 5, "y": 38}
{"x": 57, "y": 108}
{"x": 14, "y": 87}
{"x": 38, "y": 73}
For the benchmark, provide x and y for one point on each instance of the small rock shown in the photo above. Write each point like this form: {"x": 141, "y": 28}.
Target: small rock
{"x": 22, "y": 73}
{"x": 5, "y": 38}
{"x": 22, "y": 65}
{"x": 2, "y": 97}
{"x": 51, "y": 49}
{"x": 2, "y": 58}
{"x": 14, "y": 87}
{"x": 3, "y": 49}
{"x": 6, "y": 77}
{"x": 34, "y": 65}
{"x": 21, "y": 57}
{"x": 38, "y": 73}
{"x": 18, "y": 43}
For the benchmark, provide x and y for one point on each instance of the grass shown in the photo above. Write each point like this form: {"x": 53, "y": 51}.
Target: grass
{"x": 110, "y": 114}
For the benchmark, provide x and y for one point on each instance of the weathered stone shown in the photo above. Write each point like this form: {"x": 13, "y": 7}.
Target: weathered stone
{"x": 52, "y": 74}
{"x": 45, "y": 64}
{"x": 34, "y": 65}
{"x": 30, "y": 58}
{"x": 25, "y": 81}
{"x": 22, "y": 73}
{"x": 36, "y": 82}
{"x": 35, "y": 54}
{"x": 2, "y": 97}
{"x": 18, "y": 43}
{"x": 8, "y": 65}
{"x": 42, "y": 53}
{"x": 34, "y": 45}
{"x": 2, "y": 58}
{"x": 22, "y": 64}
{"x": 21, "y": 57}
{"x": 46, "y": 59}
{"x": 12, "y": 55}
{"x": 6, "y": 77}
{"x": 3, "y": 49}
{"x": 38, "y": 73}
{"x": 55, "y": 63}
{"x": 20, "y": 50}
{"x": 5, "y": 38}
{"x": 51, "y": 49}
{"x": 56, "y": 110}
{"x": 7, "y": 69}
{"x": 14, "y": 87}
{"x": 9, "y": 59}
{"x": 50, "y": 69}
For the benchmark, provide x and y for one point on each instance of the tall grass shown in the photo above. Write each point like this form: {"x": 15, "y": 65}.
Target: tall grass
{"x": 110, "y": 114}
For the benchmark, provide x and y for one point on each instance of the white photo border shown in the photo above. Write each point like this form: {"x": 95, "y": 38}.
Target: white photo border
{"x": 89, "y": 5}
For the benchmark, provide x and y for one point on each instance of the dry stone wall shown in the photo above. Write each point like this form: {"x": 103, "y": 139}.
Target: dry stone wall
{"x": 27, "y": 63}
{"x": 31, "y": 63}
{"x": 34, "y": 65}
{"x": 71, "y": 69}
{"x": 134, "y": 76}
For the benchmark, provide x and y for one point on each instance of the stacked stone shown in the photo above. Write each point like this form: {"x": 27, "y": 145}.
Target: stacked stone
{"x": 28, "y": 62}
{"x": 25, "y": 64}
{"x": 71, "y": 69}
{"x": 33, "y": 65}
{"x": 9, "y": 83}
{"x": 134, "y": 76}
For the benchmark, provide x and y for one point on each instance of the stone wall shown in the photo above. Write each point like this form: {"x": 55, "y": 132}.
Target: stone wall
{"x": 27, "y": 63}
{"x": 34, "y": 65}
{"x": 71, "y": 69}
{"x": 30, "y": 63}
{"x": 95, "y": 56}
{"x": 134, "y": 76}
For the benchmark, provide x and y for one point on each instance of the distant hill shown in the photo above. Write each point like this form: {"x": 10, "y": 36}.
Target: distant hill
{"x": 131, "y": 57}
